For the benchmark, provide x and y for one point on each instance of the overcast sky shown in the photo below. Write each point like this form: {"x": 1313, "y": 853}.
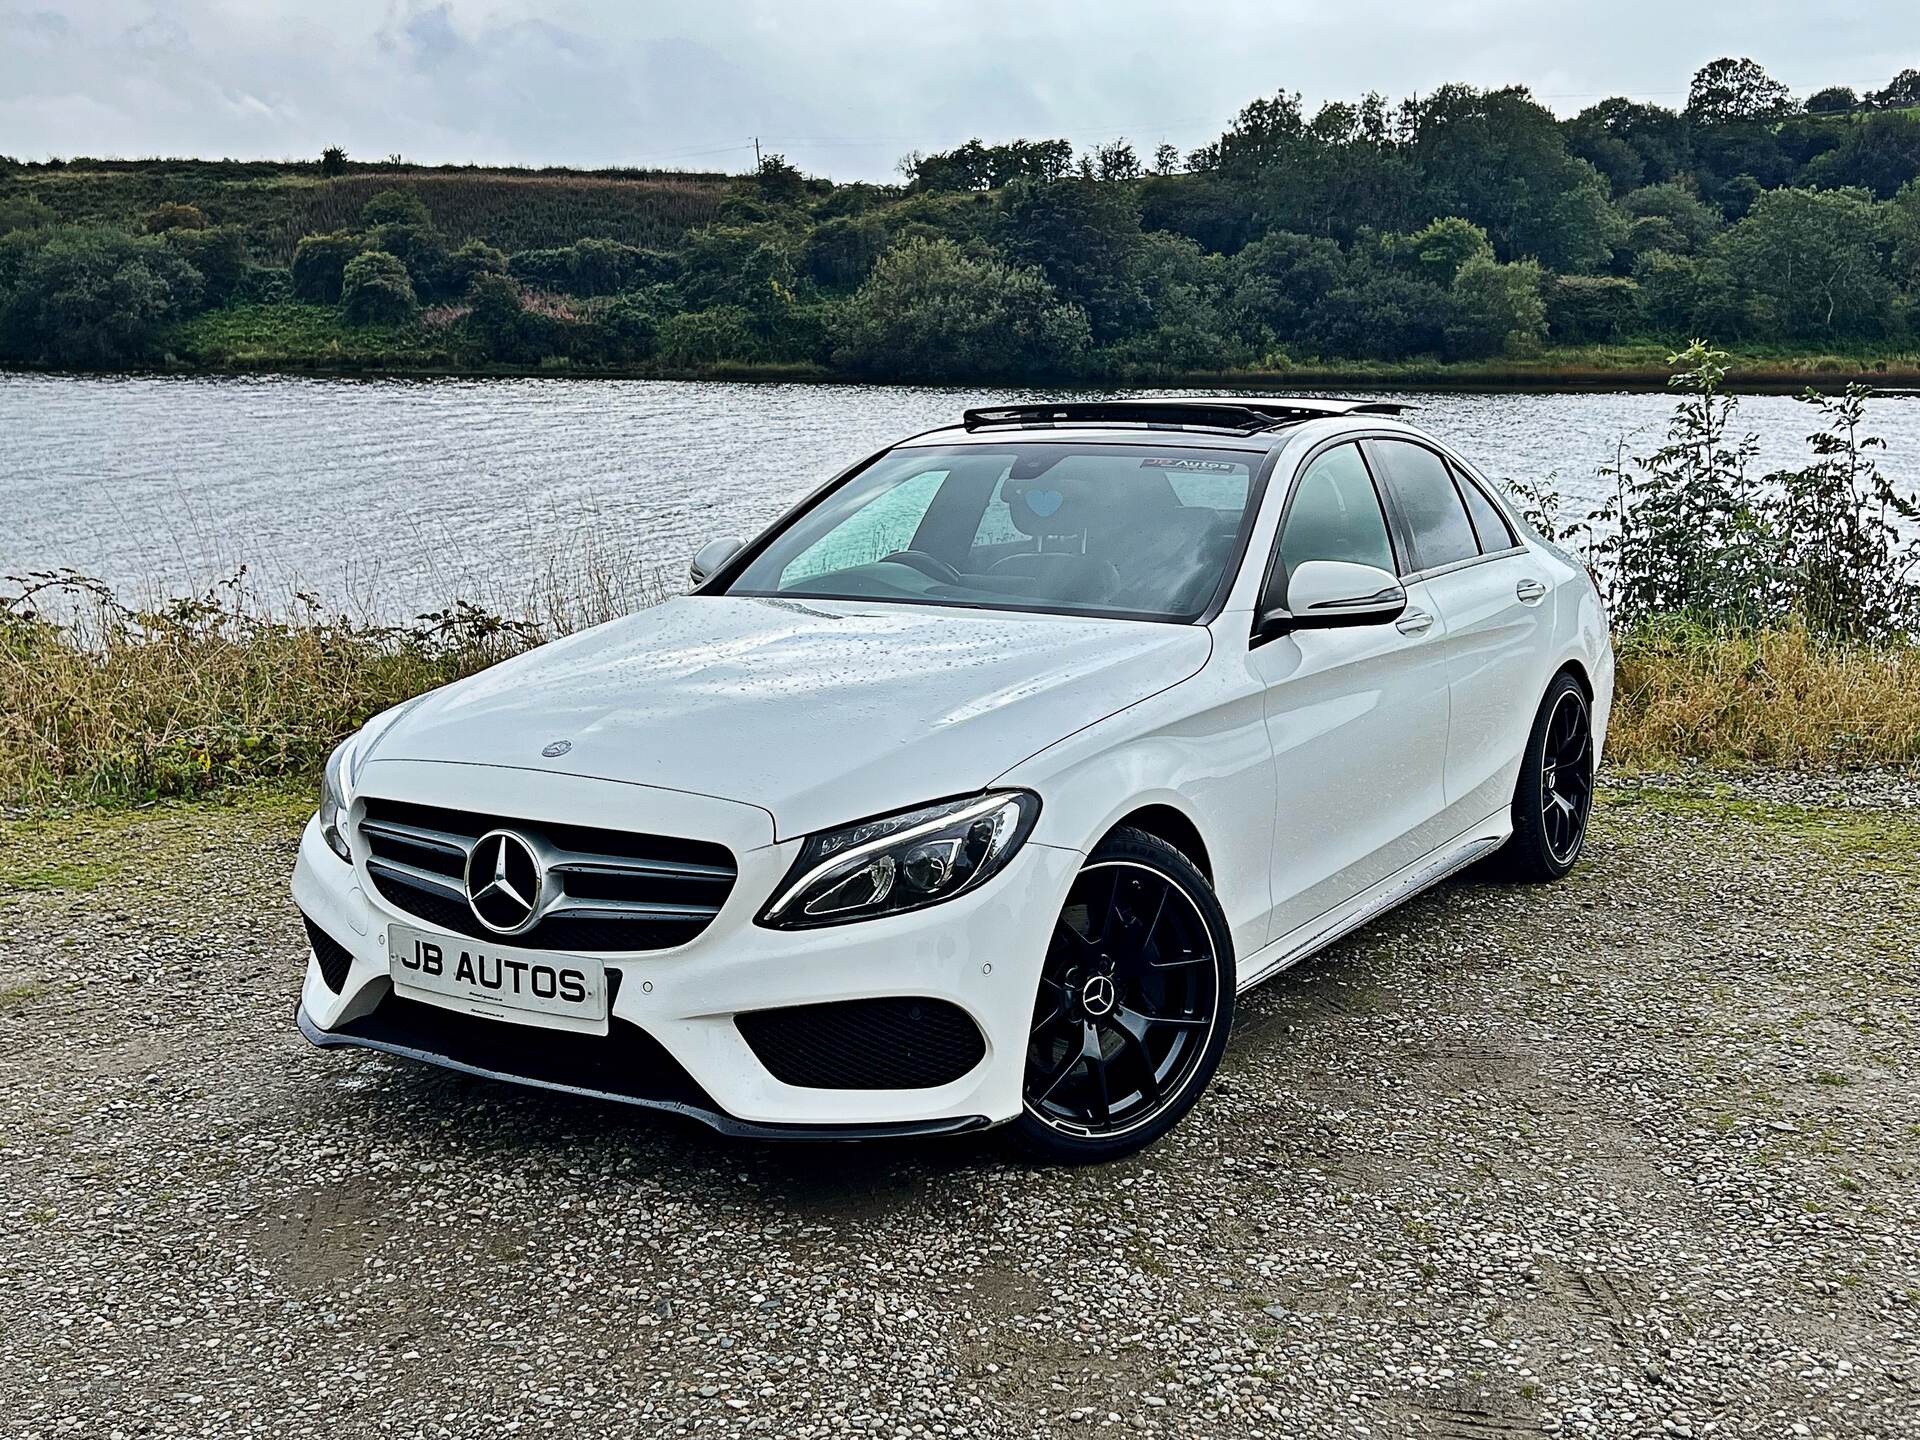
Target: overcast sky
{"x": 842, "y": 87}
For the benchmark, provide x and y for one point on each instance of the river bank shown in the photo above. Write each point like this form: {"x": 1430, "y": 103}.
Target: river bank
{"x": 310, "y": 341}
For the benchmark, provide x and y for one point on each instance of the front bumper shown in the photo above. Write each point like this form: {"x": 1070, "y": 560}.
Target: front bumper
{"x": 672, "y": 1011}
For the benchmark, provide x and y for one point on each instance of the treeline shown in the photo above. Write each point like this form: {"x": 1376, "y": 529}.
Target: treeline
{"x": 1461, "y": 225}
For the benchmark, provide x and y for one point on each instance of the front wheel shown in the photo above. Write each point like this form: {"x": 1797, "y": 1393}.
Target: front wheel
{"x": 1135, "y": 1002}
{"x": 1554, "y": 797}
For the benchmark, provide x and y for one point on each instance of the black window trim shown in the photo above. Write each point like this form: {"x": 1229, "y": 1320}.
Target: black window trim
{"x": 1455, "y": 470}
{"x": 1395, "y": 540}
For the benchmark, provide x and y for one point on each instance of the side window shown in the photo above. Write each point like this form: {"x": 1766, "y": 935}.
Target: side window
{"x": 1489, "y": 525}
{"x": 886, "y": 524}
{"x": 1422, "y": 486}
{"x": 1335, "y": 515}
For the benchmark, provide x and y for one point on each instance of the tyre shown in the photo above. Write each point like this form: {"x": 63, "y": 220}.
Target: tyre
{"x": 1134, "y": 1005}
{"x": 1554, "y": 797}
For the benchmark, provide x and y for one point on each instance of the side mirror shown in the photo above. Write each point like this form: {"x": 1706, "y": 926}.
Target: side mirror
{"x": 709, "y": 558}
{"x": 1330, "y": 594}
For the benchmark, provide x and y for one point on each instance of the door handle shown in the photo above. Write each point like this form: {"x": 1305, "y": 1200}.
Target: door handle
{"x": 1529, "y": 591}
{"x": 1414, "y": 622}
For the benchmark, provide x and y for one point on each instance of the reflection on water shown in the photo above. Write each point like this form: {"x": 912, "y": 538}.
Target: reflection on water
{"x": 399, "y": 494}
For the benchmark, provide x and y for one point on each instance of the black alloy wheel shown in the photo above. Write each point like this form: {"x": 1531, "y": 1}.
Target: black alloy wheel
{"x": 1554, "y": 798}
{"x": 1134, "y": 1005}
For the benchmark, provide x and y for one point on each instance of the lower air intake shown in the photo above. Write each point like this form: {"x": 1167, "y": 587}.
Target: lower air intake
{"x": 335, "y": 959}
{"x": 899, "y": 1042}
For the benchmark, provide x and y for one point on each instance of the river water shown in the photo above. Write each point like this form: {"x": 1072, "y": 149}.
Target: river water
{"x": 392, "y": 496}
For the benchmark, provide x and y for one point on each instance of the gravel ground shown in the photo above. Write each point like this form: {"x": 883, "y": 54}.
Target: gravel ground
{"x": 1631, "y": 1155}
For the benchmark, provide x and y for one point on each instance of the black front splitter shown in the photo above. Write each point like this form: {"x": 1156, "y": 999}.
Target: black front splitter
{"x": 715, "y": 1119}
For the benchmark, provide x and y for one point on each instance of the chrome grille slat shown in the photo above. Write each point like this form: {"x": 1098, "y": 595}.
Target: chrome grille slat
{"x": 431, "y": 879}
{"x": 631, "y": 909}
{"x": 461, "y": 845}
{"x": 567, "y": 863}
{"x": 609, "y": 891}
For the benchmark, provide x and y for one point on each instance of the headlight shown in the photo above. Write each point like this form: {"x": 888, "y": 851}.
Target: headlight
{"x": 333, "y": 801}
{"x": 902, "y": 862}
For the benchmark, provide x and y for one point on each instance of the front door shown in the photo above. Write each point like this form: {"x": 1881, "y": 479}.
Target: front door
{"x": 1357, "y": 717}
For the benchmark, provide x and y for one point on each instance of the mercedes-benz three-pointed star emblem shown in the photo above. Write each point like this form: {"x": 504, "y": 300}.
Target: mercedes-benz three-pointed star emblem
{"x": 505, "y": 881}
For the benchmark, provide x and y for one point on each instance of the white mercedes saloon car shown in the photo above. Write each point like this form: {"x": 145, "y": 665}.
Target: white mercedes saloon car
{"x": 972, "y": 791}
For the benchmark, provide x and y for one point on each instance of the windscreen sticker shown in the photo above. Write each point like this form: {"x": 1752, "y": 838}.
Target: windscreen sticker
{"x": 1207, "y": 467}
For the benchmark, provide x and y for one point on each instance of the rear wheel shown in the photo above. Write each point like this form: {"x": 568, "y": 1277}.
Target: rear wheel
{"x": 1135, "y": 1002}
{"x": 1554, "y": 798}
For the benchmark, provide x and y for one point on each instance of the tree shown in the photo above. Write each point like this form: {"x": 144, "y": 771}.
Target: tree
{"x": 333, "y": 161}
{"x": 1834, "y": 100}
{"x": 1902, "y": 92}
{"x": 1903, "y": 234}
{"x": 320, "y": 264}
{"x": 1277, "y": 280}
{"x": 173, "y": 216}
{"x": 220, "y": 255}
{"x": 779, "y": 183}
{"x": 1495, "y": 309}
{"x": 928, "y": 311}
{"x": 1809, "y": 263}
{"x": 1166, "y": 158}
{"x": 1446, "y": 245}
{"x": 24, "y": 212}
{"x": 97, "y": 297}
{"x": 1082, "y": 236}
{"x": 1117, "y": 161}
{"x": 475, "y": 257}
{"x": 395, "y": 207}
{"x": 1727, "y": 91}
{"x": 375, "y": 290}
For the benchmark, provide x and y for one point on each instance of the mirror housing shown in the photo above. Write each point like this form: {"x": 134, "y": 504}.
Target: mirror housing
{"x": 1333, "y": 594}
{"x": 709, "y": 558}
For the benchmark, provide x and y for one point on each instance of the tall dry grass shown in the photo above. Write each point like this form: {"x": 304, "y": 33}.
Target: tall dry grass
{"x": 104, "y": 701}
{"x": 1774, "y": 697}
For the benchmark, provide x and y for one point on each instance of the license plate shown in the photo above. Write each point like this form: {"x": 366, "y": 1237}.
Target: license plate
{"x": 485, "y": 979}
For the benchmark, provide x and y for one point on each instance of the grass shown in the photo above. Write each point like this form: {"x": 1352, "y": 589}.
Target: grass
{"x": 1772, "y": 698}
{"x": 291, "y": 336}
{"x": 102, "y": 702}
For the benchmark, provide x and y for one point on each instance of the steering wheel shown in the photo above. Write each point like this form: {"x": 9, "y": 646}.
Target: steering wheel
{"x": 931, "y": 566}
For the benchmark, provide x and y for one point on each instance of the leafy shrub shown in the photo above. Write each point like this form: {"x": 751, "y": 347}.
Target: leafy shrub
{"x": 1495, "y": 309}
{"x": 174, "y": 216}
{"x": 24, "y": 212}
{"x": 320, "y": 265}
{"x": 476, "y": 257}
{"x": 1590, "y": 309}
{"x": 97, "y": 297}
{"x": 928, "y": 311}
{"x": 375, "y": 290}
{"x": 395, "y": 207}
{"x": 590, "y": 267}
{"x": 219, "y": 255}
{"x": 697, "y": 339}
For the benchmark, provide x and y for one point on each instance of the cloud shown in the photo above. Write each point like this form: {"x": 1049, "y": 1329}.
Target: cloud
{"x": 843, "y": 87}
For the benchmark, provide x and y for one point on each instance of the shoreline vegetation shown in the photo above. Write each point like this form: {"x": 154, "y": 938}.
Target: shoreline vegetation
{"x": 1759, "y": 621}
{"x": 224, "y": 354}
{"x": 1463, "y": 237}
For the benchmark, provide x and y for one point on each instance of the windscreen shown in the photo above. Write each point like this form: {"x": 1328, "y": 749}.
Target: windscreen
{"x": 1128, "y": 530}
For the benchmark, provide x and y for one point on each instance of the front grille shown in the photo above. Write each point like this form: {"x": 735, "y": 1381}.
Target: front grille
{"x": 626, "y": 1061}
{"x": 335, "y": 959}
{"x": 619, "y": 892}
{"x": 900, "y": 1042}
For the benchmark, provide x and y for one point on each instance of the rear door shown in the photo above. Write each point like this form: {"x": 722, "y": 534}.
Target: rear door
{"x": 1491, "y": 593}
{"x": 1357, "y": 717}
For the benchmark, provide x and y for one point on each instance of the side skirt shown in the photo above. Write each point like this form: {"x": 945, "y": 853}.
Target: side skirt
{"x": 1316, "y": 935}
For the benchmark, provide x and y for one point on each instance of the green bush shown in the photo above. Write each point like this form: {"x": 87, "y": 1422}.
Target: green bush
{"x": 375, "y": 290}
{"x": 697, "y": 339}
{"x": 97, "y": 297}
{"x": 929, "y": 312}
{"x": 1590, "y": 309}
{"x": 320, "y": 265}
{"x": 219, "y": 255}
